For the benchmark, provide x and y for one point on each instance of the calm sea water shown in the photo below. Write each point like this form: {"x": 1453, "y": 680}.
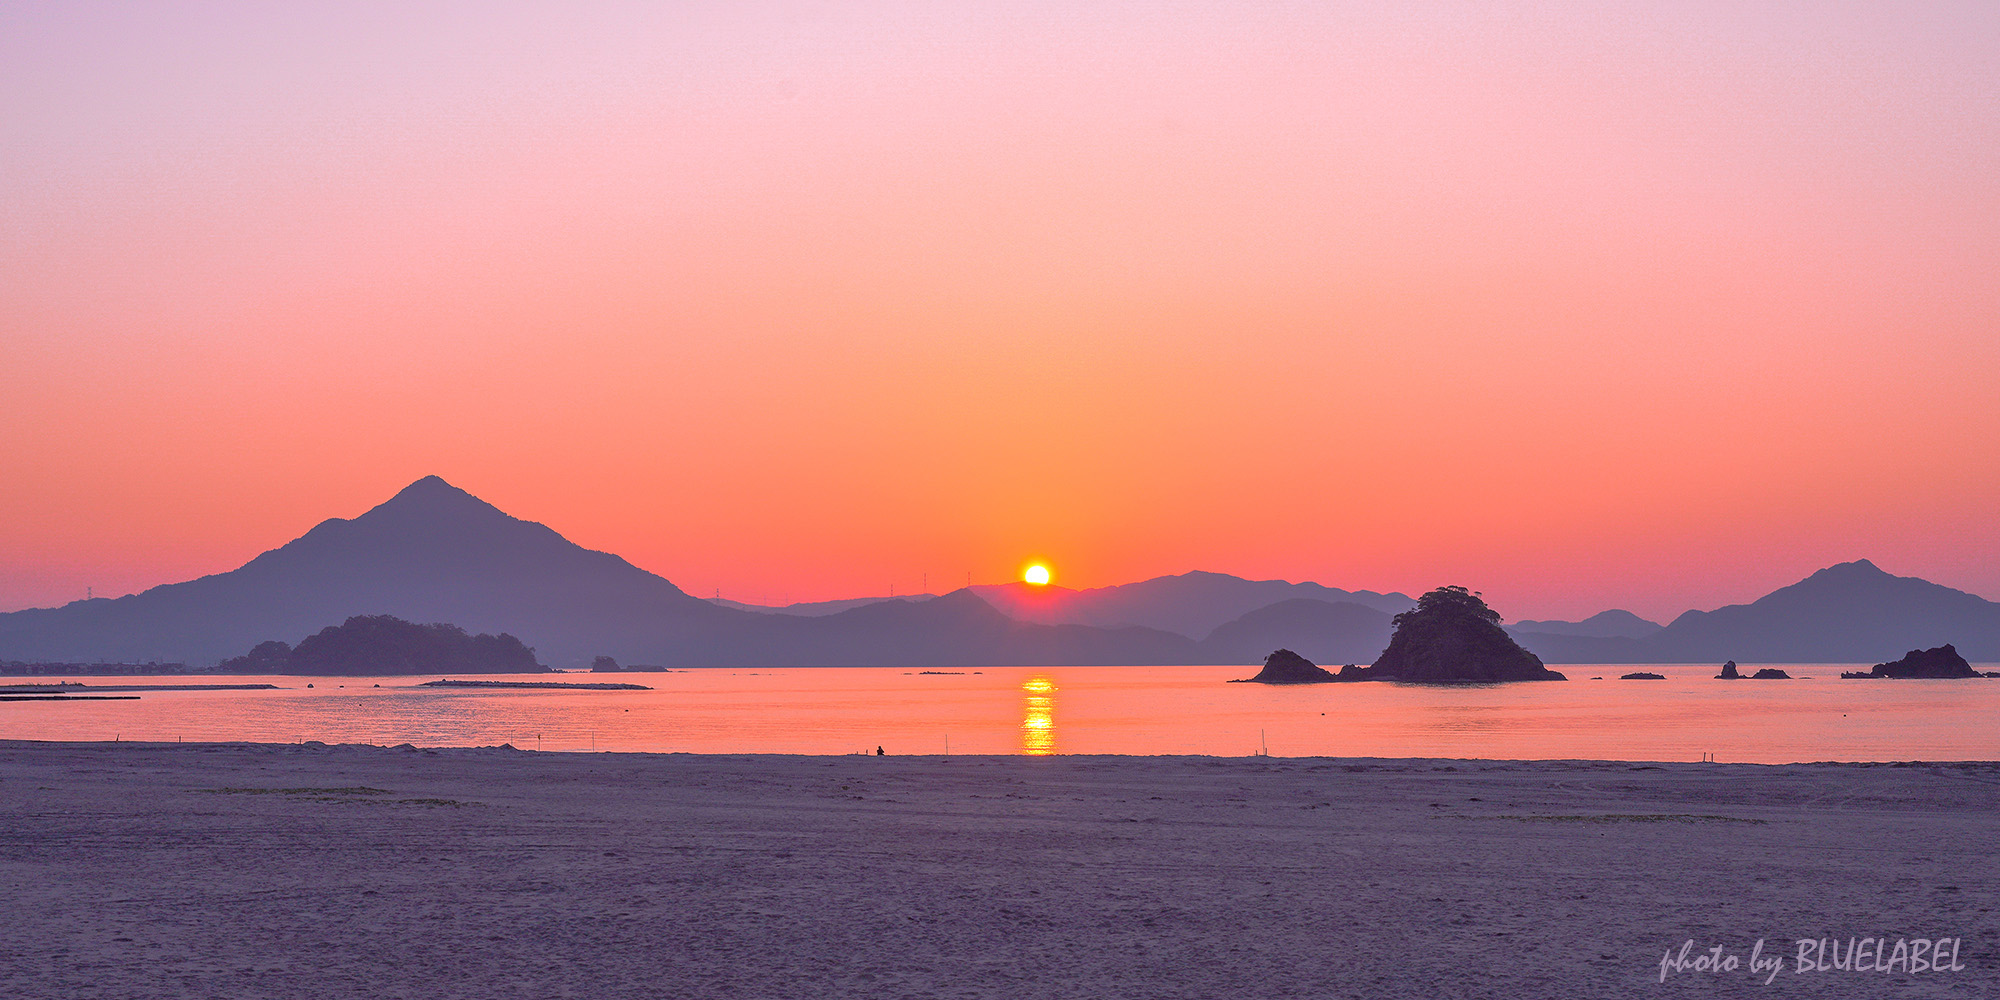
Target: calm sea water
{"x": 1084, "y": 710}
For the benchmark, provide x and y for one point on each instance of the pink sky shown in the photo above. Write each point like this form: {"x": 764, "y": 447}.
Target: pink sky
{"x": 1582, "y": 306}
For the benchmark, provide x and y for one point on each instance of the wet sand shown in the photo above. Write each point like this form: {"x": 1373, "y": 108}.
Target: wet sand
{"x": 232, "y": 870}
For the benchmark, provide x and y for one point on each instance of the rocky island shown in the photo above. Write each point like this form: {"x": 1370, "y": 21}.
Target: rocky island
{"x": 1286, "y": 667}
{"x": 382, "y": 645}
{"x": 1452, "y": 637}
{"x": 1937, "y": 662}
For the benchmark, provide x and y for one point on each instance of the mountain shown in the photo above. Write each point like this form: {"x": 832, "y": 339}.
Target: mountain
{"x": 1321, "y": 631}
{"x": 1849, "y": 613}
{"x": 1237, "y": 620}
{"x": 1557, "y": 648}
{"x": 431, "y": 553}
{"x": 1603, "y": 625}
{"x": 435, "y": 553}
{"x": 958, "y": 629}
{"x": 814, "y": 609}
{"x": 1191, "y": 604}
{"x": 1605, "y": 637}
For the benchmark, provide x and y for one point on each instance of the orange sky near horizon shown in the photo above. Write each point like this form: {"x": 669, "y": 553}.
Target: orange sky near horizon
{"x": 1657, "y": 307}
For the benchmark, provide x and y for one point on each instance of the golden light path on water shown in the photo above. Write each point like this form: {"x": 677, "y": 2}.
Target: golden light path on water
{"x": 1038, "y": 721}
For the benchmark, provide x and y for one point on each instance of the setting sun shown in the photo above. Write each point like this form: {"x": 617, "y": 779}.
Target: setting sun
{"x": 1037, "y": 574}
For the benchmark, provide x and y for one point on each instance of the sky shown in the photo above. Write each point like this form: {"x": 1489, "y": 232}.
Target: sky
{"x": 1651, "y": 306}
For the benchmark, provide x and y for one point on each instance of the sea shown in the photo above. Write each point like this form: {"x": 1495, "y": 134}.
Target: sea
{"x": 1179, "y": 710}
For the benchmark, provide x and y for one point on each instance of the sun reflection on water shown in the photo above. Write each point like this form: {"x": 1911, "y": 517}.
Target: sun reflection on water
{"x": 1038, "y": 723}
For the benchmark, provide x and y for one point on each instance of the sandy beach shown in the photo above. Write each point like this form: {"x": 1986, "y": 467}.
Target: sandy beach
{"x": 234, "y": 870}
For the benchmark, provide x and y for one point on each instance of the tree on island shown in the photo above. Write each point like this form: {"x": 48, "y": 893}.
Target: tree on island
{"x": 1451, "y": 636}
{"x": 385, "y": 644}
{"x": 271, "y": 657}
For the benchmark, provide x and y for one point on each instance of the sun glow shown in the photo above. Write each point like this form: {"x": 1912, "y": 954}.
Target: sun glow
{"x": 1037, "y": 574}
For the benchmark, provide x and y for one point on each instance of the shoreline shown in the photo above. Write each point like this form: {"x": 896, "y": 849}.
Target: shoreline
{"x": 1972, "y": 763}
{"x": 239, "y": 869}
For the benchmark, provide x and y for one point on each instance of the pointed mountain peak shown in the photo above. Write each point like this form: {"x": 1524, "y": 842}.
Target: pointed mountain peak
{"x": 431, "y": 498}
{"x": 1859, "y": 581}
{"x": 1858, "y": 569}
{"x": 1846, "y": 576}
{"x": 428, "y": 483}
{"x": 429, "y": 487}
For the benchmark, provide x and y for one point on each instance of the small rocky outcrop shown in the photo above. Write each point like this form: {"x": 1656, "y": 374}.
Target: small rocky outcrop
{"x": 1452, "y": 637}
{"x": 1770, "y": 674}
{"x": 1729, "y": 672}
{"x": 1643, "y": 676}
{"x": 1286, "y": 667}
{"x": 1937, "y": 662}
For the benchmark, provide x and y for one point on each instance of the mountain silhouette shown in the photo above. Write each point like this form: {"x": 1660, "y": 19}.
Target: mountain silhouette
{"x": 431, "y": 553}
{"x": 435, "y": 553}
{"x": 1612, "y": 624}
{"x": 1560, "y": 648}
{"x": 1849, "y": 613}
{"x": 1321, "y": 631}
{"x": 816, "y": 609}
{"x": 1191, "y": 604}
{"x": 957, "y": 629}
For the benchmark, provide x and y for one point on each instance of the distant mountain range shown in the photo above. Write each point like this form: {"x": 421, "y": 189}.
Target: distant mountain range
{"x": 434, "y": 553}
{"x": 1849, "y": 613}
{"x": 816, "y": 609}
{"x": 1191, "y": 604}
{"x": 1602, "y": 625}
